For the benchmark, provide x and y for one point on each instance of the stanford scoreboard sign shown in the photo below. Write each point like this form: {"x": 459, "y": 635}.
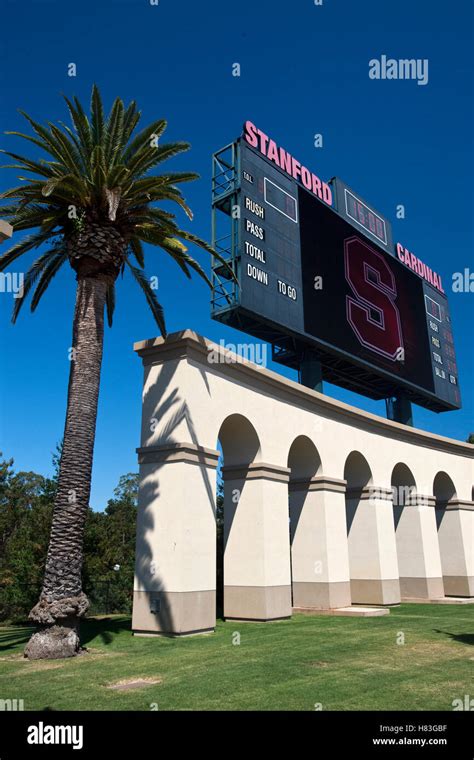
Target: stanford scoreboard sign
{"x": 317, "y": 268}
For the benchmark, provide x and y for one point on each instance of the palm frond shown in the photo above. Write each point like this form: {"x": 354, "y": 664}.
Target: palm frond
{"x": 71, "y": 157}
{"x": 179, "y": 253}
{"x": 77, "y": 144}
{"x": 104, "y": 169}
{"x": 99, "y": 170}
{"x": 27, "y": 164}
{"x": 206, "y": 247}
{"x": 97, "y": 121}
{"x": 114, "y": 132}
{"x": 48, "y": 273}
{"x": 137, "y": 250}
{"x": 130, "y": 121}
{"x": 32, "y": 275}
{"x": 49, "y": 144}
{"x": 9, "y": 212}
{"x": 155, "y": 306}
{"x": 143, "y": 138}
{"x": 40, "y": 143}
{"x": 148, "y": 157}
{"x": 82, "y": 127}
{"x": 110, "y": 303}
{"x": 33, "y": 241}
{"x": 118, "y": 176}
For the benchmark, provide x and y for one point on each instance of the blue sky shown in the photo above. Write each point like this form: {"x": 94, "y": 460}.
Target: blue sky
{"x": 304, "y": 70}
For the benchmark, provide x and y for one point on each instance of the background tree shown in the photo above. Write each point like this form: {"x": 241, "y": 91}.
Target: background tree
{"x": 26, "y": 510}
{"x": 92, "y": 204}
{"x": 220, "y": 546}
{"x": 109, "y": 563}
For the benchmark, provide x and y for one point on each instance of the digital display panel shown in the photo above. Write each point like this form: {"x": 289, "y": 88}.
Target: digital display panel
{"x": 433, "y": 308}
{"x": 279, "y": 199}
{"x": 362, "y": 216}
{"x": 372, "y": 307}
{"x": 307, "y": 271}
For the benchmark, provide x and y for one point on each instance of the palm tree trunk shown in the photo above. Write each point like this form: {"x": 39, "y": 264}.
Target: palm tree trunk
{"x": 62, "y": 602}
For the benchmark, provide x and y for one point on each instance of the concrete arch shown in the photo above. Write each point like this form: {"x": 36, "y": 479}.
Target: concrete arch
{"x": 402, "y": 474}
{"x": 257, "y": 580}
{"x": 319, "y": 557}
{"x": 239, "y": 440}
{"x": 358, "y": 476}
{"x": 371, "y": 540}
{"x": 418, "y": 555}
{"x": 444, "y": 489}
{"x": 304, "y": 460}
{"x": 403, "y": 486}
{"x": 455, "y": 531}
{"x": 357, "y": 471}
{"x": 240, "y": 447}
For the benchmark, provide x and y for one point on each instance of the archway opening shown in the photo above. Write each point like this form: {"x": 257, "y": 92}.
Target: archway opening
{"x": 370, "y": 537}
{"x": 443, "y": 491}
{"x": 403, "y": 490}
{"x": 358, "y": 476}
{"x": 304, "y": 463}
{"x": 454, "y": 536}
{"x": 239, "y": 446}
{"x": 419, "y": 566}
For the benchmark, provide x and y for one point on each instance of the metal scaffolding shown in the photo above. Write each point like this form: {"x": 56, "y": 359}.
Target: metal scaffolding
{"x": 225, "y": 229}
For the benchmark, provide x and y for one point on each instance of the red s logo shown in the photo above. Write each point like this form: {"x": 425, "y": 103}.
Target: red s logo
{"x": 372, "y": 312}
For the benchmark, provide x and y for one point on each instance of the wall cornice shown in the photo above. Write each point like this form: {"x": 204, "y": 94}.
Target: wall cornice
{"x": 189, "y": 345}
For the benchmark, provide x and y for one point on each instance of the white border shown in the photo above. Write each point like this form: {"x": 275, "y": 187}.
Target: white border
{"x": 384, "y": 242}
{"x": 265, "y": 180}
{"x": 437, "y": 304}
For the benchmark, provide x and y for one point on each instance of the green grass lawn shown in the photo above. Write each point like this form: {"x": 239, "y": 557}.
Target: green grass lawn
{"x": 341, "y": 663}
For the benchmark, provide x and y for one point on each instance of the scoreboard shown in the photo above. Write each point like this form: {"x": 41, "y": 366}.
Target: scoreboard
{"x": 321, "y": 269}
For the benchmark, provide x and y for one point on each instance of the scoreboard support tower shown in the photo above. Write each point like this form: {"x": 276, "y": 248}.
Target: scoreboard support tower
{"x": 399, "y": 410}
{"x": 225, "y": 228}
{"x": 311, "y": 371}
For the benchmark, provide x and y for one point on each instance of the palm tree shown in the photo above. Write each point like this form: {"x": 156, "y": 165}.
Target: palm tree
{"x": 91, "y": 203}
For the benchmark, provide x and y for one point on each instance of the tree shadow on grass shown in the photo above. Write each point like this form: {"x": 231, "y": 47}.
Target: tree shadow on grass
{"x": 14, "y": 636}
{"x": 461, "y": 638}
{"x": 106, "y": 628}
